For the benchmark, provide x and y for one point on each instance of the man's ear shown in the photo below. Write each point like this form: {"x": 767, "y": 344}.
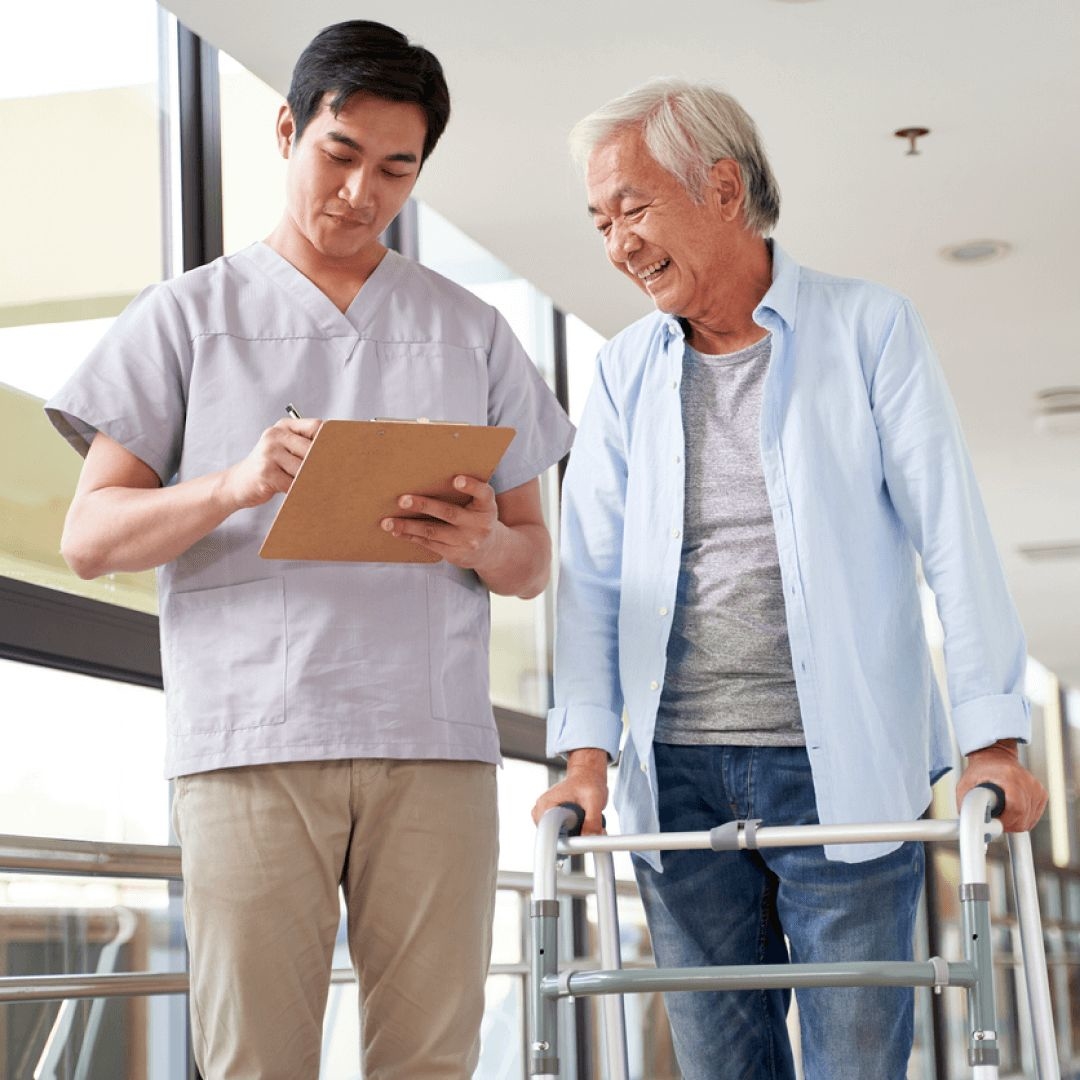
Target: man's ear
{"x": 726, "y": 187}
{"x": 286, "y": 130}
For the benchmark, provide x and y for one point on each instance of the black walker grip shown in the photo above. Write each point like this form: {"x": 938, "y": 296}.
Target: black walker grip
{"x": 999, "y": 795}
{"x": 579, "y": 813}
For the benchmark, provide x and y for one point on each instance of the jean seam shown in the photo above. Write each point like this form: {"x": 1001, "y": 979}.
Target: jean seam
{"x": 763, "y": 995}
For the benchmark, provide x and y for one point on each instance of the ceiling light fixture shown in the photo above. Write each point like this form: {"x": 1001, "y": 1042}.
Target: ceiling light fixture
{"x": 972, "y": 252}
{"x": 1064, "y": 549}
{"x": 1057, "y": 410}
{"x": 911, "y": 134}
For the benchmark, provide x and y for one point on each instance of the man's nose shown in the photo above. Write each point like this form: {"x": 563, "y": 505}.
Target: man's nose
{"x": 622, "y": 243}
{"x": 358, "y": 188}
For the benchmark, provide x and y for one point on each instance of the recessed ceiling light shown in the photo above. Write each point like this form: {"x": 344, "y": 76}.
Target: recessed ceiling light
{"x": 1057, "y": 410}
{"x": 976, "y": 251}
{"x": 1063, "y": 549}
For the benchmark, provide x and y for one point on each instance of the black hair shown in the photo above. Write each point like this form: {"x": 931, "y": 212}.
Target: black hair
{"x": 364, "y": 57}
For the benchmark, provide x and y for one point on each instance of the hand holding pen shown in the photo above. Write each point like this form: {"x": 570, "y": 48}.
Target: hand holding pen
{"x": 270, "y": 467}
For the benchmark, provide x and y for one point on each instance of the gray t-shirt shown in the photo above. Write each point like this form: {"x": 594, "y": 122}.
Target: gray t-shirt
{"x": 729, "y": 677}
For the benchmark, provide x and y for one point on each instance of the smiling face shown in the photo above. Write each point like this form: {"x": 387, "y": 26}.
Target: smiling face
{"x": 348, "y": 176}
{"x": 676, "y": 250}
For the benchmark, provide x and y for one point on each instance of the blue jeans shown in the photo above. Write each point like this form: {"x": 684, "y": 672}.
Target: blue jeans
{"x": 710, "y": 908}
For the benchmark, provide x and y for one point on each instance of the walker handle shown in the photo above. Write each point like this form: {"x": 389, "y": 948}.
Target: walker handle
{"x": 999, "y": 796}
{"x": 579, "y": 813}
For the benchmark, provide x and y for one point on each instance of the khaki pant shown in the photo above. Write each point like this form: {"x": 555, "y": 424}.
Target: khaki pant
{"x": 414, "y": 846}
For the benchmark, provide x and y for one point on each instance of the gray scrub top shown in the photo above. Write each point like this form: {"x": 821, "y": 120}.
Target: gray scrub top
{"x": 269, "y": 661}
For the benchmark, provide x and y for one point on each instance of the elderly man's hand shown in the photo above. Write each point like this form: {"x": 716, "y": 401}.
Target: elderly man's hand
{"x": 462, "y": 535}
{"x": 585, "y": 784}
{"x": 1025, "y": 797}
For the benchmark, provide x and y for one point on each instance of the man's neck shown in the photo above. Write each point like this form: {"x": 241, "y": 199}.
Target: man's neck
{"x": 339, "y": 279}
{"x": 730, "y": 325}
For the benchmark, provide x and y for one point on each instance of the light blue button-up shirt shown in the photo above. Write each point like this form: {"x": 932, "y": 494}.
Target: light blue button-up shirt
{"x": 864, "y": 465}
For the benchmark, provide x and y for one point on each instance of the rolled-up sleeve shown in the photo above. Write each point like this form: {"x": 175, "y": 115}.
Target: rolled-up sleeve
{"x": 932, "y": 486}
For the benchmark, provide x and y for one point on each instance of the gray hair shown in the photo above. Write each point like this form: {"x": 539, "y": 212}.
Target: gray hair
{"x": 687, "y": 128}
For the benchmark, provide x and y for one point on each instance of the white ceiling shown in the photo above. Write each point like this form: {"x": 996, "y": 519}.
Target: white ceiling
{"x": 828, "y": 81}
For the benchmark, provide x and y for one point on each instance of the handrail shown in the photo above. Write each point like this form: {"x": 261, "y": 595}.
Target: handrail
{"x": 91, "y": 858}
{"x": 87, "y": 858}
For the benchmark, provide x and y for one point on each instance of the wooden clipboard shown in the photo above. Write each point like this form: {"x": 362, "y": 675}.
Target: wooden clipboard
{"x": 355, "y": 472}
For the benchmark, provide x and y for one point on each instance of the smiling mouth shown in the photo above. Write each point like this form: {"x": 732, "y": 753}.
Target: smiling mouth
{"x": 648, "y": 274}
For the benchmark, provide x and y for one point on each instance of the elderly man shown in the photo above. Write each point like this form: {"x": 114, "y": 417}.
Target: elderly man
{"x": 757, "y": 466}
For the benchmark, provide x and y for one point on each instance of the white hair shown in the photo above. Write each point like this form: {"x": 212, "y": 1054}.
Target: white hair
{"x": 687, "y": 128}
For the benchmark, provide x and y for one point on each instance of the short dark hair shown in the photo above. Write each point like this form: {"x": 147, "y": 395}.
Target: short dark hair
{"x": 364, "y": 57}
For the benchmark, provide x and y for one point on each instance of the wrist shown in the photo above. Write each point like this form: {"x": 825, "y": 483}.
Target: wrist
{"x": 1006, "y": 747}
{"x": 590, "y": 759}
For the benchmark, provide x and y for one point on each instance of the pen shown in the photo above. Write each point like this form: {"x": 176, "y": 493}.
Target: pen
{"x": 291, "y": 410}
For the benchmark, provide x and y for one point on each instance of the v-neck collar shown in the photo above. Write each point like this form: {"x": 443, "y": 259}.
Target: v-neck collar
{"x": 332, "y": 322}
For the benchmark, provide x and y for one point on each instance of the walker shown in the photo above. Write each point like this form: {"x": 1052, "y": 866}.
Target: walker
{"x": 558, "y": 836}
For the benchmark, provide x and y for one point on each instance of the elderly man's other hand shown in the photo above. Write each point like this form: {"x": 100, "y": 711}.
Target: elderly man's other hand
{"x": 1025, "y": 797}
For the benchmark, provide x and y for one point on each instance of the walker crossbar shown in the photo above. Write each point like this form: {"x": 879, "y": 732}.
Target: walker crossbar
{"x": 760, "y": 977}
{"x": 974, "y": 974}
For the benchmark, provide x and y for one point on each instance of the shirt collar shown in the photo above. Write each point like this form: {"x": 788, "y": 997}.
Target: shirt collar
{"x": 781, "y": 299}
{"x": 783, "y": 296}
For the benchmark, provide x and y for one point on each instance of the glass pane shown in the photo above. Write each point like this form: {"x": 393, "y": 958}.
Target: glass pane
{"x": 252, "y": 169}
{"x": 520, "y": 784}
{"x": 520, "y": 660}
{"x": 82, "y": 757}
{"x": 582, "y": 345}
{"x": 86, "y": 99}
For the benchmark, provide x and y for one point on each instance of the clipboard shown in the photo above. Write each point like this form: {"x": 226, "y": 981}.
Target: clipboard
{"x": 355, "y": 472}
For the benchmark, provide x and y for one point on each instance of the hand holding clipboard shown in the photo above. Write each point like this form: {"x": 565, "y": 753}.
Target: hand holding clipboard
{"x": 354, "y": 474}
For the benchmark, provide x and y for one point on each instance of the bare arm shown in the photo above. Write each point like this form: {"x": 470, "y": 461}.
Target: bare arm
{"x": 502, "y": 537}
{"x": 122, "y": 519}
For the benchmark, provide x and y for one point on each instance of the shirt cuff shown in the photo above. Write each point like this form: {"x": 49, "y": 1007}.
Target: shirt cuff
{"x": 982, "y": 721}
{"x": 583, "y": 726}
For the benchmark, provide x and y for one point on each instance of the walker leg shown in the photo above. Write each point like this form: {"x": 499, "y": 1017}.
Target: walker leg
{"x": 613, "y": 1012}
{"x": 1034, "y": 956}
{"x": 983, "y": 1054}
{"x": 544, "y": 912}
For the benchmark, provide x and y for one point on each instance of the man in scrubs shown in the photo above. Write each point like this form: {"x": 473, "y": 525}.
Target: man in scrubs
{"x": 758, "y": 462}
{"x": 329, "y": 724}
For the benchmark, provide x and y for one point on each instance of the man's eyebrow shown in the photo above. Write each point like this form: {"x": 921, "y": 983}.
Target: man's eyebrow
{"x": 405, "y": 156}
{"x": 618, "y": 196}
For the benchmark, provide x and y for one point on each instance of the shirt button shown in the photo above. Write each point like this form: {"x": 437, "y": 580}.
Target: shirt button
{"x": 675, "y": 385}
{"x": 676, "y": 533}
{"x": 663, "y": 611}
{"x": 654, "y": 685}
{"x": 644, "y": 766}
{"x": 678, "y": 459}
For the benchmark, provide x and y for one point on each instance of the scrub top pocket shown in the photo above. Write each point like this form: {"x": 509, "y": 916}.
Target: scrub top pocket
{"x": 225, "y": 665}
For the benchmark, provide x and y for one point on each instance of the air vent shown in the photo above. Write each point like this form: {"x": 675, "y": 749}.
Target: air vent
{"x": 974, "y": 252}
{"x": 1057, "y": 410}
{"x": 1065, "y": 549}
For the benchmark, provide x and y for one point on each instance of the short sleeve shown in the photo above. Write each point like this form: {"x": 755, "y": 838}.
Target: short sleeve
{"x": 519, "y": 398}
{"x": 132, "y": 385}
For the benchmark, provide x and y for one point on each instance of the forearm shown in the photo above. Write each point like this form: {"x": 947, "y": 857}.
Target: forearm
{"x": 122, "y": 529}
{"x": 520, "y": 561}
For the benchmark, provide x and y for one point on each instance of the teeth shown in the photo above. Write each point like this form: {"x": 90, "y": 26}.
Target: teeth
{"x": 653, "y": 268}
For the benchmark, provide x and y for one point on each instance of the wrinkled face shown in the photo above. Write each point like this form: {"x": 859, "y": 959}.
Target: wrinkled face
{"x": 350, "y": 174}
{"x": 653, "y": 231}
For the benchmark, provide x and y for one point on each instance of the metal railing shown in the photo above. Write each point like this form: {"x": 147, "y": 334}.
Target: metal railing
{"x": 83, "y": 858}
